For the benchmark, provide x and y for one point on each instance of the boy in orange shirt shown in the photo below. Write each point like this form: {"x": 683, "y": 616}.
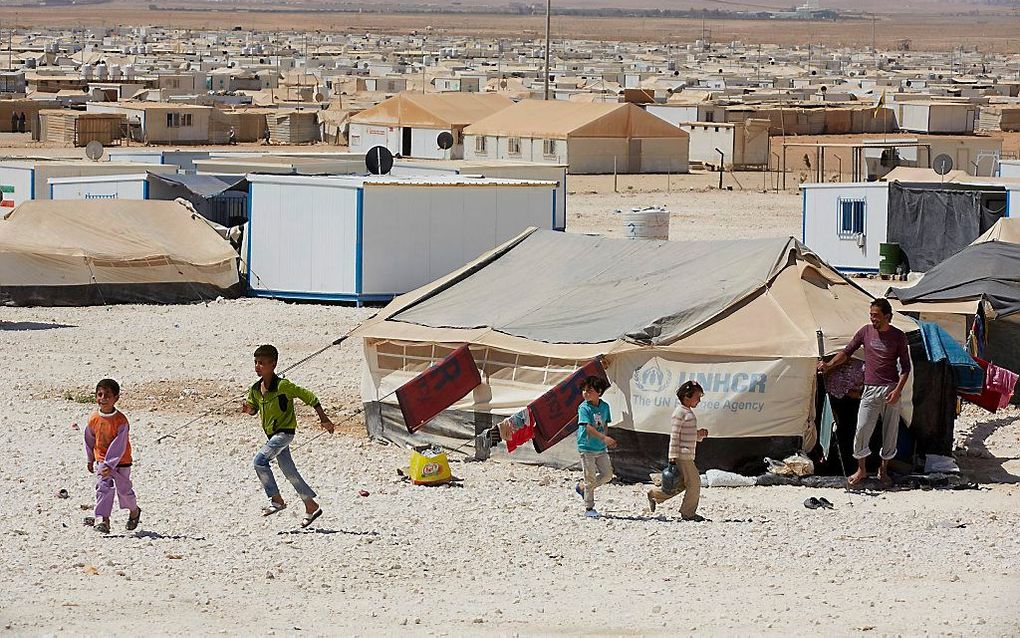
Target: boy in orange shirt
{"x": 108, "y": 450}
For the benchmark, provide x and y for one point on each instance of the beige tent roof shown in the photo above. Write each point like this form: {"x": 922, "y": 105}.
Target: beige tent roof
{"x": 76, "y": 243}
{"x": 446, "y": 110}
{"x": 921, "y": 174}
{"x": 1007, "y": 229}
{"x": 558, "y": 119}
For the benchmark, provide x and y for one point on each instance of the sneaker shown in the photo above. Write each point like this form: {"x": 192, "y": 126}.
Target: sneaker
{"x": 695, "y": 518}
{"x": 592, "y": 514}
{"x": 651, "y": 503}
{"x": 579, "y": 490}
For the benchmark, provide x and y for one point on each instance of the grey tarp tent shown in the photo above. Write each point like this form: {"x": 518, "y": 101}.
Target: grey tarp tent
{"x": 983, "y": 278}
{"x": 223, "y": 200}
{"x": 747, "y": 319}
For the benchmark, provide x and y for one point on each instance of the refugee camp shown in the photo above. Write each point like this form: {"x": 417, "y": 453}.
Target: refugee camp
{"x": 512, "y": 319}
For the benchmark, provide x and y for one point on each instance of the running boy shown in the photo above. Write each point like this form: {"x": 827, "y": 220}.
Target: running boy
{"x": 683, "y": 442}
{"x": 108, "y": 450}
{"x": 593, "y": 419}
{"x": 272, "y": 398}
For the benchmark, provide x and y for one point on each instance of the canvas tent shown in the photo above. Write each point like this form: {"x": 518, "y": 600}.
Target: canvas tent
{"x": 1007, "y": 229}
{"x": 57, "y": 253}
{"x": 746, "y": 318}
{"x": 983, "y": 281}
{"x": 409, "y": 124}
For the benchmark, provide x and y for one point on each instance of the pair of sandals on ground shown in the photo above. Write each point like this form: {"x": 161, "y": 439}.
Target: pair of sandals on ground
{"x": 277, "y": 506}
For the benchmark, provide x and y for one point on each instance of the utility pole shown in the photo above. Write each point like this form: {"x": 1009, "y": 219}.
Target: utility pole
{"x": 548, "y": 44}
{"x": 757, "y": 72}
{"x": 874, "y": 41}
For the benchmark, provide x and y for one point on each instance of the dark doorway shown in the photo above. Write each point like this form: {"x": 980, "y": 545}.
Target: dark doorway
{"x": 405, "y": 146}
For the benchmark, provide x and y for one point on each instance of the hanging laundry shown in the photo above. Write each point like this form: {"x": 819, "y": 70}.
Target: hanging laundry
{"x": 841, "y": 381}
{"x": 940, "y": 346}
{"x": 825, "y": 426}
{"x": 439, "y": 387}
{"x": 1002, "y": 381}
{"x": 987, "y": 398}
{"x": 517, "y": 429}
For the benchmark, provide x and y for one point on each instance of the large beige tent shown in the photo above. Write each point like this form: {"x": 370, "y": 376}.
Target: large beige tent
{"x": 591, "y": 138}
{"x": 748, "y": 319}
{"x": 433, "y": 110}
{"x": 409, "y": 124}
{"x": 63, "y": 252}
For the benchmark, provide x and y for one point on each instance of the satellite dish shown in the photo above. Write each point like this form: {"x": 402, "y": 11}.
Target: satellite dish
{"x": 445, "y": 140}
{"x": 319, "y": 97}
{"x": 942, "y": 164}
{"x": 379, "y": 160}
{"x": 94, "y": 150}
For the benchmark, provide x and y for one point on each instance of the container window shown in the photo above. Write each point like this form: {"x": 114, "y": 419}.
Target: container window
{"x": 852, "y": 218}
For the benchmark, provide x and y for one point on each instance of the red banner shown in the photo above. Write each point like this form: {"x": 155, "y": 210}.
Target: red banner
{"x": 555, "y": 412}
{"x": 439, "y": 387}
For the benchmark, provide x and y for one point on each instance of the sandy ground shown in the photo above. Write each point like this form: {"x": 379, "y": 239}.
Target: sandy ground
{"x": 508, "y": 553}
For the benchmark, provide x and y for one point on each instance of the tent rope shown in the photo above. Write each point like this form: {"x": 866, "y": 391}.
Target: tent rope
{"x": 236, "y": 398}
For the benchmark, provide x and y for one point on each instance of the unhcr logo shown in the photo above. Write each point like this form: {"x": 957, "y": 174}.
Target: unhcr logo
{"x": 736, "y": 382}
{"x": 653, "y": 379}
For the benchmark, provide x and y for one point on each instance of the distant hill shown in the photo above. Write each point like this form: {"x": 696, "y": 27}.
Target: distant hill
{"x": 928, "y": 7}
{"x": 880, "y": 6}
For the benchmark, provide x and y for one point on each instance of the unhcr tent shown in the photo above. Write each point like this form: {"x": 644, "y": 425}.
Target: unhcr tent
{"x": 64, "y": 253}
{"x": 748, "y": 319}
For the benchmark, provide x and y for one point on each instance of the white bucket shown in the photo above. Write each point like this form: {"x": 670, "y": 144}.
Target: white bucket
{"x": 646, "y": 223}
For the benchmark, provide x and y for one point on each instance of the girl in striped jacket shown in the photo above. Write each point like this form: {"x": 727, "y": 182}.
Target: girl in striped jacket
{"x": 683, "y": 441}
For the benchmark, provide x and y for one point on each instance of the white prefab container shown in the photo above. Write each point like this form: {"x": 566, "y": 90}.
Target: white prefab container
{"x": 494, "y": 169}
{"x": 24, "y": 180}
{"x": 100, "y": 187}
{"x": 822, "y": 230}
{"x": 1009, "y": 168}
{"x": 937, "y": 117}
{"x": 184, "y": 160}
{"x": 364, "y": 239}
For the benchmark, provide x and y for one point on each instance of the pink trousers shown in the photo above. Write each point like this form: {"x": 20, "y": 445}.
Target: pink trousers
{"x": 118, "y": 481}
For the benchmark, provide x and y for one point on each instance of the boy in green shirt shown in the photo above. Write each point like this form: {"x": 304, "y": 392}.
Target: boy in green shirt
{"x": 272, "y": 398}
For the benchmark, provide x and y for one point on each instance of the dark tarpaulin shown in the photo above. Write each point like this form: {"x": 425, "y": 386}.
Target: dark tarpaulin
{"x": 934, "y": 401}
{"x": 223, "y": 200}
{"x": 988, "y": 271}
{"x": 932, "y": 223}
{"x": 203, "y": 186}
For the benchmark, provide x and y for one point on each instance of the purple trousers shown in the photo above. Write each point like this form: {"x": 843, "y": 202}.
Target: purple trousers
{"x": 118, "y": 481}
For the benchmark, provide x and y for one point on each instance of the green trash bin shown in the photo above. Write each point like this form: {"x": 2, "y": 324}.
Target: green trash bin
{"x": 891, "y": 258}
